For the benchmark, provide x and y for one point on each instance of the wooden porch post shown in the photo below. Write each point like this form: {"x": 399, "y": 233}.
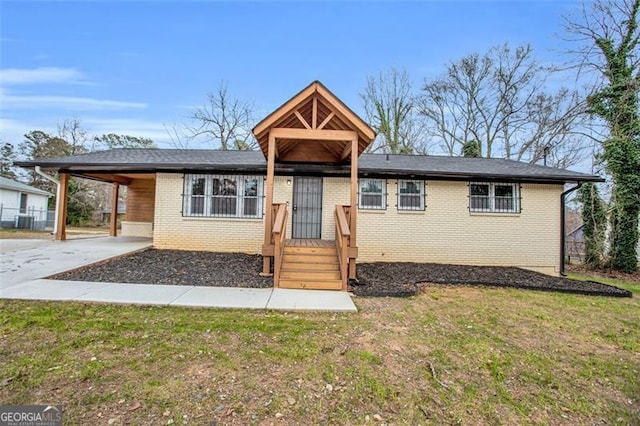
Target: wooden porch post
{"x": 61, "y": 226}
{"x": 271, "y": 157}
{"x": 113, "y": 231}
{"x": 353, "y": 211}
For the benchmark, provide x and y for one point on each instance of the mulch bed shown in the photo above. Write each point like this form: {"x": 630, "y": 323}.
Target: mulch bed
{"x": 406, "y": 279}
{"x": 197, "y": 268}
{"x": 176, "y": 267}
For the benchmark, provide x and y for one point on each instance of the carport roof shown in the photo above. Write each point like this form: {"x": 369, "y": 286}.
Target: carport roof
{"x": 374, "y": 165}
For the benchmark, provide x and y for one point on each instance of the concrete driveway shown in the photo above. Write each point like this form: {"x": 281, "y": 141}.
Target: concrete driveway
{"x": 22, "y": 261}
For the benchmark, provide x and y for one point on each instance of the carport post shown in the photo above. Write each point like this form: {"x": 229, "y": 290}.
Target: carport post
{"x": 113, "y": 226}
{"x": 61, "y": 226}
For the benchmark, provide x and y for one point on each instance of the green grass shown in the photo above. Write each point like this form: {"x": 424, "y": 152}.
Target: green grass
{"x": 450, "y": 355}
{"x": 627, "y": 285}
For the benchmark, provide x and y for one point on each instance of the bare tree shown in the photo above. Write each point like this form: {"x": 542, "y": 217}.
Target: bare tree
{"x": 179, "y": 135}
{"x": 600, "y": 25}
{"x": 76, "y": 137}
{"x": 390, "y": 108}
{"x": 498, "y": 99}
{"x": 223, "y": 121}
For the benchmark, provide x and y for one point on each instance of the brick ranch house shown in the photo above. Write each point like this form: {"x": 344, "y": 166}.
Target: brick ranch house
{"x": 312, "y": 203}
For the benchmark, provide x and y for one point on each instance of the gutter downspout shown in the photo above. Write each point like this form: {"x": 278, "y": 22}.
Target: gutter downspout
{"x": 562, "y": 225}
{"x": 39, "y": 171}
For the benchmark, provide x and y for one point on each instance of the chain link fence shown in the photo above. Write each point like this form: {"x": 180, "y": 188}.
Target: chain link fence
{"x": 29, "y": 219}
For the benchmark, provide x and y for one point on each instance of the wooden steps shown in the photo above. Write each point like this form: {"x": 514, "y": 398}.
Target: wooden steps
{"x": 310, "y": 267}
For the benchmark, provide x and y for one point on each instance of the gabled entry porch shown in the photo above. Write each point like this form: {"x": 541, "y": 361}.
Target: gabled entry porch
{"x": 313, "y": 127}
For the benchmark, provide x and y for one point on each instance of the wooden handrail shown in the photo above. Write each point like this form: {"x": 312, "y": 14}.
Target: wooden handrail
{"x": 342, "y": 242}
{"x": 280, "y": 221}
{"x": 342, "y": 222}
{"x": 274, "y": 212}
{"x": 278, "y": 235}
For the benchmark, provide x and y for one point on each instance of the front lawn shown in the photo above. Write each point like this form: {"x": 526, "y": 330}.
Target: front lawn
{"x": 451, "y": 355}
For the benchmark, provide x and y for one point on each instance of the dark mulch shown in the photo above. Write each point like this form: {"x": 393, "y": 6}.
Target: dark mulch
{"x": 405, "y": 279}
{"x": 176, "y": 267}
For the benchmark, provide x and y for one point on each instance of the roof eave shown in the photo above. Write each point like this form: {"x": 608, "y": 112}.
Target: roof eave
{"x": 304, "y": 168}
{"x": 555, "y": 179}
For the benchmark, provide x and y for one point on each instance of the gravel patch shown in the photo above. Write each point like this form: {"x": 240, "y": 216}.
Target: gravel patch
{"x": 198, "y": 268}
{"x": 406, "y": 279}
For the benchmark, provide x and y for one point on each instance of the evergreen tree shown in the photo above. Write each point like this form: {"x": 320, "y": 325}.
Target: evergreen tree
{"x": 471, "y": 149}
{"x": 6, "y": 161}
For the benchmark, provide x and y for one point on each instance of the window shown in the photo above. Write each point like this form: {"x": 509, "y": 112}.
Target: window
{"x": 23, "y": 202}
{"x": 223, "y": 196}
{"x": 410, "y": 195}
{"x": 197, "y": 196}
{"x": 224, "y": 200}
{"x": 373, "y": 194}
{"x": 494, "y": 197}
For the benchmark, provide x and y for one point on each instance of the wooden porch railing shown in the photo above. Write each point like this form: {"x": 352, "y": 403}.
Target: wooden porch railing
{"x": 343, "y": 237}
{"x": 274, "y": 214}
{"x": 278, "y": 235}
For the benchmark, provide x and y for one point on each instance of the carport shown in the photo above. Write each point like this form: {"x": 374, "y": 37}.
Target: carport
{"x": 140, "y": 200}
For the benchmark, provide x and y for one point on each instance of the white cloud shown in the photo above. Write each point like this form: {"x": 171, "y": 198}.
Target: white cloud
{"x": 126, "y": 126}
{"x": 40, "y": 75}
{"x": 56, "y": 76}
{"x": 21, "y": 109}
{"x": 12, "y": 130}
{"x": 65, "y": 102}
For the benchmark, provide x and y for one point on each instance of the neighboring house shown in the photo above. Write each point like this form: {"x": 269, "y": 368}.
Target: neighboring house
{"x": 575, "y": 244}
{"x": 22, "y": 206}
{"x": 104, "y": 215}
{"x": 312, "y": 203}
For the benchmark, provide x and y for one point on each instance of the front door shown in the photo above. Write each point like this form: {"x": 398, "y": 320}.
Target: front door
{"x": 307, "y": 207}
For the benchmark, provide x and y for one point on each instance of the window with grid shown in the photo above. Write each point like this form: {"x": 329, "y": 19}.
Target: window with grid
{"x": 494, "y": 197}
{"x": 410, "y": 195}
{"x": 372, "y": 194}
{"x": 223, "y": 196}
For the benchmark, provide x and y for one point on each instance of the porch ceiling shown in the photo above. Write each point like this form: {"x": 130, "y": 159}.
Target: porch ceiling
{"x": 318, "y": 110}
{"x": 121, "y": 178}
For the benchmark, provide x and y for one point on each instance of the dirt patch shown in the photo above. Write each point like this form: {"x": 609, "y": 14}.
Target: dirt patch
{"x": 176, "y": 267}
{"x": 22, "y": 234}
{"x": 606, "y": 273}
{"x": 406, "y": 279}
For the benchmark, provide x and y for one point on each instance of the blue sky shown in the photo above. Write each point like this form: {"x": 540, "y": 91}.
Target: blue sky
{"x": 136, "y": 67}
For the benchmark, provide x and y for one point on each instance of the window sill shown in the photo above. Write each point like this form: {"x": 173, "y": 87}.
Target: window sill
{"x": 221, "y": 219}
{"x": 418, "y": 212}
{"x": 372, "y": 211}
{"x": 498, "y": 214}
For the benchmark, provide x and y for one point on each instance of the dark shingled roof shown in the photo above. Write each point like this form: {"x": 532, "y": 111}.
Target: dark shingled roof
{"x": 425, "y": 166}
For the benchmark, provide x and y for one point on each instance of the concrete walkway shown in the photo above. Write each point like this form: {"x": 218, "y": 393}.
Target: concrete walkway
{"x": 25, "y": 262}
{"x": 182, "y": 295}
